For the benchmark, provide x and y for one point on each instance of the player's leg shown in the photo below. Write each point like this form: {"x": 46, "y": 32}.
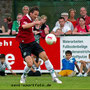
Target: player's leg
{"x": 38, "y": 51}
{"x": 86, "y": 70}
{"x": 29, "y": 62}
{"x": 26, "y": 52}
{"x": 86, "y": 73}
{"x": 49, "y": 66}
{"x": 83, "y": 64}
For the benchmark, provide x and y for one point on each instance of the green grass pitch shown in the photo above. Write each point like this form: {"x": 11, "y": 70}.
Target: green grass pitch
{"x": 44, "y": 82}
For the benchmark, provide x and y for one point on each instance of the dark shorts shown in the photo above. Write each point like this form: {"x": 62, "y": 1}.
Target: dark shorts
{"x": 30, "y": 48}
{"x": 2, "y": 73}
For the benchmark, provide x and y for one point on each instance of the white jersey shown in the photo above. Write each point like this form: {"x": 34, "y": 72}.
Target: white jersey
{"x": 68, "y": 23}
{"x": 64, "y": 29}
{"x": 4, "y": 66}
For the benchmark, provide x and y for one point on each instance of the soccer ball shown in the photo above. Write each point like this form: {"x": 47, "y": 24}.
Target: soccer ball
{"x": 50, "y": 39}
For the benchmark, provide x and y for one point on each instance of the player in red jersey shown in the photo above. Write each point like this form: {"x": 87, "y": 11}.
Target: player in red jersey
{"x": 28, "y": 44}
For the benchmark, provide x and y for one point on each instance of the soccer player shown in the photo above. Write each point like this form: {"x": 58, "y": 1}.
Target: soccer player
{"x": 28, "y": 44}
{"x": 86, "y": 66}
{"x": 4, "y": 65}
{"x": 68, "y": 65}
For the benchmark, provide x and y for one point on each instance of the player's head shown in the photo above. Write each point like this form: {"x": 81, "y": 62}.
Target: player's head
{"x": 2, "y": 58}
{"x": 44, "y": 18}
{"x": 61, "y": 21}
{"x": 34, "y": 12}
{"x": 25, "y": 9}
{"x": 68, "y": 54}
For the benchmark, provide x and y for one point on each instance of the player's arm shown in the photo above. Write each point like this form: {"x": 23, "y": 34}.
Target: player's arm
{"x": 36, "y": 64}
{"x": 77, "y": 67}
{"x": 9, "y": 68}
{"x": 32, "y": 69}
{"x": 69, "y": 32}
{"x": 75, "y": 31}
{"x": 29, "y": 25}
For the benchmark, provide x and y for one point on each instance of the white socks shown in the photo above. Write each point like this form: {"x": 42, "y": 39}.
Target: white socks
{"x": 50, "y": 68}
{"x": 26, "y": 70}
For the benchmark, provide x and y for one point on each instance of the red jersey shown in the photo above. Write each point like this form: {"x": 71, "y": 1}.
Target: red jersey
{"x": 87, "y": 20}
{"x": 79, "y": 29}
{"x": 25, "y": 35}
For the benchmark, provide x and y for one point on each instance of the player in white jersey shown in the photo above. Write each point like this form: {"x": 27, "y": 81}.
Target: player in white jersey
{"x": 4, "y": 65}
{"x": 85, "y": 65}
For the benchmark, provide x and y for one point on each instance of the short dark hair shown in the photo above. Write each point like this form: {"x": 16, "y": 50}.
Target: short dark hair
{"x": 82, "y": 18}
{"x": 32, "y": 9}
{"x": 68, "y": 52}
{"x": 62, "y": 18}
{"x": 2, "y": 55}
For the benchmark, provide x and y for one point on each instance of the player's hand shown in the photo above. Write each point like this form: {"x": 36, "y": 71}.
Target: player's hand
{"x": 36, "y": 32}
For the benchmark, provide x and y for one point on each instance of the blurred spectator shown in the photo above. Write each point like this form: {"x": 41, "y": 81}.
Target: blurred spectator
{"x": 67, "y": 23}
{"x": 44, "y": 25}
{"x": 5, "y": 25}
{"x": 68, "y": 65}
{"x": 35, "y": 69}
{"x": 65, "y": 15}
{"x": 72, "y": 13}
{"x": 4, "y": 65}
{"x": 82, "y": 28}
{"x": 40, "y": 30}
{"x": 63, "y": 29}
{"x": 37, "y": 29}
{"x": 83, "y": 13}
{"x": 9, "y": 21}
{"x": 25, "y": 10}
{"x": 85, "y": 65}
{"x": 1, "y": 30}
{"x": 16, "y": 24}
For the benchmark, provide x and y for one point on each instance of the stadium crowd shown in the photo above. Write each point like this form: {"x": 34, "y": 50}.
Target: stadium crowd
{"x": 66, "y": 24}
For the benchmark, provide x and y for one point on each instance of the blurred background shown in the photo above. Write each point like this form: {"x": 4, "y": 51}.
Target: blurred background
{"x": 51, "y": 8}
